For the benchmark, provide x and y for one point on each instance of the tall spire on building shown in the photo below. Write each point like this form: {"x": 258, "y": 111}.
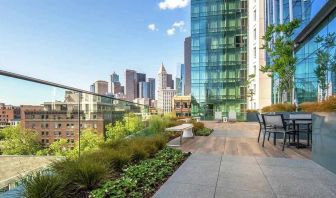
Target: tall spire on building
{"x": 162, "y": 69}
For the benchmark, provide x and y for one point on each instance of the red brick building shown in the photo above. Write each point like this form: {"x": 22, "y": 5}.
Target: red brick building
{"x": 8, "y": 114}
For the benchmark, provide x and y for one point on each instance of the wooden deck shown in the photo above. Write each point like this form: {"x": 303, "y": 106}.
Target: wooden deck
{"x": 239, "y": 139}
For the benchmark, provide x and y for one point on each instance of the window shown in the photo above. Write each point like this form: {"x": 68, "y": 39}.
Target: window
{"x": 255, "y": 15}
{"x": 255, "y": 52}
{"x": 255, "y": 34}
{"x": 240, "y": 41}
{"x": 243, "y": 5}
{"x": 244, "y": 22}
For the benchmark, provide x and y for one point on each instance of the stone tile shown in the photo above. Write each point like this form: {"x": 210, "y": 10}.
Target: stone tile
{"x": 197, "y": 172}
{"x": 244, "y": 182}
{"x": 287, "y": 196}
{"x": 299, "y": 187}
{"x": 278, "y": 171}
{"x": 181, "y": 190}
{"x": 200, "y": 164}
{"x": 239, "y": 159}
{"x": 240, "y": 169}
{"x": 325, "y": 176}
{"x": 285, "y": 162}
{"x": 234, "y": 193}
{"x": 205, "y": 157}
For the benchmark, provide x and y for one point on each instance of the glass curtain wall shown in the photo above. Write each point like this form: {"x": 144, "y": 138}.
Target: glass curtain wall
{"x": 219, "y": 57}
{"x": 306, "y": 82}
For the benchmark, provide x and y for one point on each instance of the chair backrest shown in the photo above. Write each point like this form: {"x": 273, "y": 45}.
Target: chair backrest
{"x": 300, "y": 116}
{"x": 260, "y": 119}
{"x": 232, "y": 116}
{"x": 274, "y": 121}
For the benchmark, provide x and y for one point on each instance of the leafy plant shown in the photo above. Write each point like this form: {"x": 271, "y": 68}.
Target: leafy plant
{"x": 203, "y": 132}
{"x": 143, "y": 179}
{"x": 43, "y": 184}
{"x": 19, "y": 141}
{"x": 328, "y": 105}
{"x": 80, "y": 176}
{"x": 279, "y": 45}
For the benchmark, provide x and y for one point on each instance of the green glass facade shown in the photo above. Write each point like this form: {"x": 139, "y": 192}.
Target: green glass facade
{"x": 219, "y": 57}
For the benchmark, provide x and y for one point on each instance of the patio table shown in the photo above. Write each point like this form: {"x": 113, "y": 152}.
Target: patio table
{"x": 296, "y": 124}
{"x": 184, "y": 129}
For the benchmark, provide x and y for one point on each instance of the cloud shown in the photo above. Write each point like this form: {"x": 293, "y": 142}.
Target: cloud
{"x": 171, "y": 31}
{"x": 178, "y": 25}
{"x": 173, "y": 4}
{"x": 152, "y": 27}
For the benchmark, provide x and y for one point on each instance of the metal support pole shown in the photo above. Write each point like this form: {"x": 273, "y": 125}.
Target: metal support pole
{"x": 79, "y": 122}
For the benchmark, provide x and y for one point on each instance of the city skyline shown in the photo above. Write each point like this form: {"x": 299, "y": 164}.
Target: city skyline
{"x": 89, "y": 44}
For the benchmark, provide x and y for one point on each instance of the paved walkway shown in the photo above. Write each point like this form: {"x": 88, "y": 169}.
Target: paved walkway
{"x": 217, "y": 174}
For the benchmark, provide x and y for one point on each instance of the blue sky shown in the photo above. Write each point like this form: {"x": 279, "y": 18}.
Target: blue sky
{"x": 75, "y": 42}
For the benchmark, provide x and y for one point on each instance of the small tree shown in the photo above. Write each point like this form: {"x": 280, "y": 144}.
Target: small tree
{"x": 279, "y": 45}
{"x": 325, "y": 60}
{"x": 19, "y": 141}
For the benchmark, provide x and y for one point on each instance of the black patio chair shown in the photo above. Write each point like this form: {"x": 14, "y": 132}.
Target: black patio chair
{"x": 275, "y": 124}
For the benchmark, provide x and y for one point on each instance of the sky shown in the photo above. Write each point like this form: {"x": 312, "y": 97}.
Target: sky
{"x": 76, "y": 42}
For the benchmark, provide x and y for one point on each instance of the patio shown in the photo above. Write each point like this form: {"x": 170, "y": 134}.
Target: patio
{"x": 230, "y": 163}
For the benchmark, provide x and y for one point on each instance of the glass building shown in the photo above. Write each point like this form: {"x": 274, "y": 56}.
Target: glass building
{"x": 317, "y": 18}
{"x": 218, "y": 63}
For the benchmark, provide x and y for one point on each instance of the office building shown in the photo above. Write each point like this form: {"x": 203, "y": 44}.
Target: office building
{"x": 101, "y": 87}
{"x": 187, "y": 64}
{"x": 180, "y": 80}
{"x": 131, "y": 84}
{"x": 260, "y": 88}
{"x": 165, "y": 93}
{"x": 9, "y": 115}
{"x": 182, "y": 106}
{"x": 114, "y": 77}
{"x": 116, "y": 87}
{"x": 178, "y": 86}
{"x": 219, "y": 57}
{"x": 144, "y": 89}
{"x": 170, "y": 81}
{"x": 151, "y": 88}
{"x": 317, "y": 19}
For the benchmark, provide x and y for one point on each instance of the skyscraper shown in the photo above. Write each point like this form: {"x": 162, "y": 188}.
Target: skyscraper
{"x": 101, "y": 87}
{"x": 140, "y": 77}
{"x": 131, "y": 84}
{"x": 180, "y": 80}
{"x": 170, "y": 81}
{"x": 151, "y": 88}
{"x": 114, "y": 77}
{"x": 187, "y": 63}
{"x": 218, "y": 66}
{"x": 144, "y": 89}
{"x": 115, "y": 84}
{"x": 260, "y": 87}
{"x": 165, "y": 93}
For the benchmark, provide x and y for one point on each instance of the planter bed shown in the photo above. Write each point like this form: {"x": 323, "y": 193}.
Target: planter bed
{"x": 145, "y": 178}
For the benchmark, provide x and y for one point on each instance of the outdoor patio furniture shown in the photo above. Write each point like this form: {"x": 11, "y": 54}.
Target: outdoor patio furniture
{"x": 232, "y": 116}
{"x": 185, "y": 130}
{"x": 301, "y": 123}
{"x": 275, "y": 124}
{"x": 261, "y": 126}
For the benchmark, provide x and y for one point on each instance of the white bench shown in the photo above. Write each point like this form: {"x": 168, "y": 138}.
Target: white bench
{"x": 184, "y": 129}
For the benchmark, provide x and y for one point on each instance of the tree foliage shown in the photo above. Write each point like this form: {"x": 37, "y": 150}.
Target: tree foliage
{"x": 325, "y": 60}
{"x": 130, "y": 124}
{"x": 19, "y": 141}
{"x": 279, "y": 45}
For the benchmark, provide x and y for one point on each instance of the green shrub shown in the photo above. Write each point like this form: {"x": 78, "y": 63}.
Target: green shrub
{"x": 143, "y": 179}
{"x": 43, "y": 184}
{"x": 203, "y": 132}
{"x": 198, "y": 125}
{"x": 80, "y": 176}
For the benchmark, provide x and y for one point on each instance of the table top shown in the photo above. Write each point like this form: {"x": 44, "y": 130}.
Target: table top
{"x": 180, "y": 127}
